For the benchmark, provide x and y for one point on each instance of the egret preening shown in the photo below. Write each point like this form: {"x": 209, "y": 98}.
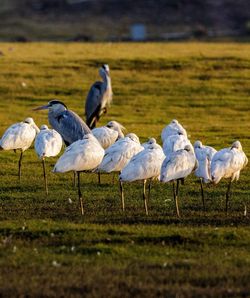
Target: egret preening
{"x": 99, "y": 97}
{"x": 176, "y": 167}
{"x": 174, "y": 143}
{"x": 204, "y": 155}
{"x": 19, "y": 136}
{"x": 69, "y": 125}
{"x": 82, "y": 155}
{"x": 48, "y": 143}
{"x": 173, "y": 128}
{"x": 143, "y": 166}
{"x": 118, "y": 155}
{"x": 227, "y": 163}
{"x": 107, "y": 135}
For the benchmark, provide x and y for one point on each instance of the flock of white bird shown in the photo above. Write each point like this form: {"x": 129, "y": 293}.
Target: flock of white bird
{"x": 106, "y": 149}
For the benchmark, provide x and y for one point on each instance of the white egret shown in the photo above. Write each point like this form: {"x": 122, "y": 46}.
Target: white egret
{"x": 82, "y": 155}
{"x": 227, "y": 163}
{"x": 204, "y": 155}
{"x": 177, "y": 166}
{"x": 48, "y": 143}
{"x": 143, "y": 166}
{"x": 19, "y": 136}
{"x": 118, "y": 155}
{"x": 173, "y": 128}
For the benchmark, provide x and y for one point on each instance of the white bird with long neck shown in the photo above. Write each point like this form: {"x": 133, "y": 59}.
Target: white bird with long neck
{"x": 99, "y": 97}
{"x": 227, "y": 163}
{"x": 173, "y": 128}
{"x": 204, "y": 155}
{"x": 118, "y": 155}
{"x": 19, "y": 136}
{"x": 48, "y": 143}
{"x": 82, "y": 155}
{"x": 109, "y": 134}
{"x": 143, "y": 166}
{"x": 178, "y": 166}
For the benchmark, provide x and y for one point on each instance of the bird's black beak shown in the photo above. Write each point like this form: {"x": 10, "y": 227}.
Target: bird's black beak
{"x": 41, "y": 108}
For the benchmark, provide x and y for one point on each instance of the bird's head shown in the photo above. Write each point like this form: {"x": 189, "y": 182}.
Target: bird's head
{"x": 237, "y": 145}
{"x": 117, "y": 127}
{"x": 151, "y": 141}
{"x": 53, "y": 105}
{"x": 188, "y": 148}
{"x": 174, "y": 121}
{"x": 104, "y": 70}
{"x": 44, "y": 127}
{"x": 31, "y": 122}
{"x": 133, "y": 137}
{"x": 197, "y": 144}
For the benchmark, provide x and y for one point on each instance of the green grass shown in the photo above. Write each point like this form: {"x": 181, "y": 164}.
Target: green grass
{"x": 47, "y": 248}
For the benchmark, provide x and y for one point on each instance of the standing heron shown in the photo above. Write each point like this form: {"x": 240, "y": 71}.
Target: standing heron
{"x": 69, "y": 125}
{"x": 19, "y": 136}
{"x": 118, "y": 155}
{"x": 98, "y": 98}
{"x": 176, "y": 167}
{"x": 204, "y": 155}
{"x": 227, "y": 163}
{"x": 173, "y": 128}
{"x": 48, "y": 143}
{"x": 143, "y": 166}
{"x": 82, "y": 155}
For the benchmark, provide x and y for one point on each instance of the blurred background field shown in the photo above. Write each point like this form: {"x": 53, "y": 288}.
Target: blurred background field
{"x": 123, "y": 20}
{"x": 47, "y": 248}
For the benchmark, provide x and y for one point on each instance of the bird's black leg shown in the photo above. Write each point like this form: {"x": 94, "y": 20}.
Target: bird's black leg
{"x": 79, "y": 193}
{"x": 176, "y": 199}
{"x": 202, "y": 194}
{"x": 99, "y": 177}
{"x": 149, "y": 187}
{"x": 20, "y": 165}
{"x": 144, "y": 197}
{"x": 228, "y": 194}
{"x": 122, "y": 196}
{"x": 113, "y": 179}
{"x": 74, "y": 179}
{"x": 45, "y": 176}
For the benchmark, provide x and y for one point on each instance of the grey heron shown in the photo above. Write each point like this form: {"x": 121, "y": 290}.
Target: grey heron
{"x": 69, "y": 125}
{"x": 98, "y": 98}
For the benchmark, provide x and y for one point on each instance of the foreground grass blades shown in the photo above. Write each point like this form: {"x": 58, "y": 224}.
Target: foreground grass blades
{"x": 47, "y": 247}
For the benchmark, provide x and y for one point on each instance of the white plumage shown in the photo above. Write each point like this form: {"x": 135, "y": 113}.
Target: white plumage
{"x": 204, "y": 155}
{"x": 82, "y": 155}
{"x": 178, "y": 165}
{"x": 149, "y": 143}
{"x": 144, "y": 165}
{"x": 119, "y": 154}
{"x": 173, "y": 128}
{"x": 48, "y": 142}
{"x": 228, "y": 162}
{"x": 174, "y": 143}
{"x": 107, "y": 135}
{"x": 19, "y": 136}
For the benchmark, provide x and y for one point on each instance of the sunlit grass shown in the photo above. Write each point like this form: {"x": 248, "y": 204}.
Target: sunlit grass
{"x": 47, "y": 247}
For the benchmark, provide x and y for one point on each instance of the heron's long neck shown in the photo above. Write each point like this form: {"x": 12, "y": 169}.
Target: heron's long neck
{"x": 57, "y": 111}
{"x": 107, "y": 81}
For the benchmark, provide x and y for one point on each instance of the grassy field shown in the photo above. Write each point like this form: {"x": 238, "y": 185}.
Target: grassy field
{"x": 48, "y": 249}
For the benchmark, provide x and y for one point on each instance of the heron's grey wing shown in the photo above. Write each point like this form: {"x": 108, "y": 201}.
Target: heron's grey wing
{"x": 93, "y": 102}
{"x": 70, "y": 126}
